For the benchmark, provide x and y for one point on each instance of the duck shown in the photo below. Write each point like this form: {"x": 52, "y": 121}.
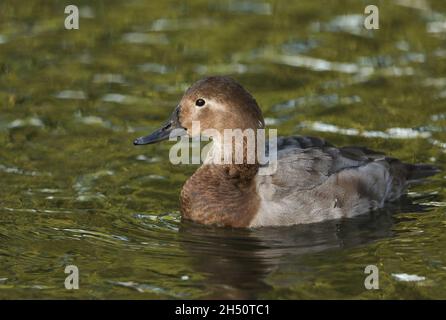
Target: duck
{"x": 313, "y": 180}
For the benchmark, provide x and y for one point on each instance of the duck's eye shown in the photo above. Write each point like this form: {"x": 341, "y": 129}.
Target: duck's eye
{"x": 200, "y": 102}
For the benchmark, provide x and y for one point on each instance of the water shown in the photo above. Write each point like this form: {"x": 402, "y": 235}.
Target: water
{"x": 74, "y": 190}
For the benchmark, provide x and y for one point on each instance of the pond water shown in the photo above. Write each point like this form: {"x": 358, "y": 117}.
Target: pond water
{"x": 75, "y": 191}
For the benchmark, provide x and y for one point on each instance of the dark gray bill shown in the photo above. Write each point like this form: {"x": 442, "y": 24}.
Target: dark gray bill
{"x": 172, "y": 128}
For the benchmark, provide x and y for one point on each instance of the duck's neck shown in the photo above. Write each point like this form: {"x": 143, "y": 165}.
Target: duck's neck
{"x": 221, "y": 194}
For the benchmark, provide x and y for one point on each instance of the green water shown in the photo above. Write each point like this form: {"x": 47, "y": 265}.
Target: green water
{"x": 75, "y": 191}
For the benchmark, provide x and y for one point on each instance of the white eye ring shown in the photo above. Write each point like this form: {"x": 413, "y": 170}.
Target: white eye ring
{"x": 200, "y": 102}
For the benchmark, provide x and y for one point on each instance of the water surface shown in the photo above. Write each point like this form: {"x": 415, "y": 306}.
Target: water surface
{"x": 74, "y": 190}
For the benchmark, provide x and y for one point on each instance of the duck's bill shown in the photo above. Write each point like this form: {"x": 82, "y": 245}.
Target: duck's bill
{"x": 171, "y": 129}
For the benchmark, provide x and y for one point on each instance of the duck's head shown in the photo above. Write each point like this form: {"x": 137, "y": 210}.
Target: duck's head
{"x": 217, "y": 103}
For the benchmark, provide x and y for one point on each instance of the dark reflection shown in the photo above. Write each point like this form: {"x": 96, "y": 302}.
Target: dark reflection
{"x": 236, "y": 262}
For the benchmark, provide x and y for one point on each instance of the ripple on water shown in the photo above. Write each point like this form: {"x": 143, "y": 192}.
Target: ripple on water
{"x": 108, "y": 78}
{"x": 434, "y": 204}
{"x": 316, "y": 64}
{"x": 147, "y": 288}
{"x": 435, "y": 82}
{"x": 31, "y": 121}
{"x": 144, "y": 158}
{"x": 19, "y": 171}
{"x": 85, "y": 184}
{"x": 437, "y": 27}
{"x": 120, "y": 98}
{"x": 104, "y": 237}
{"x": 328, "y": 100}
{"x": 352, "y": 24}
{"x": 254, "y": 7}
{"x": 92, "y": 120}
{"x": 299, "y": 46}
{"x": 98, "y": 121}
{"x": 414, "y": 4}
{"x": 225, "y": 69}
{"x": 408, "y": 277}
{"x": 86, "y": 12}
{"x": 438, "y": 143}
{"x": 145, "y": 38}
{"x": 161, "y": 221}
{"x": 71, "y": 94}
{"x": 155, "y": 68}
{"x": 165, "y": 24}
{"x": 393, "y": 133}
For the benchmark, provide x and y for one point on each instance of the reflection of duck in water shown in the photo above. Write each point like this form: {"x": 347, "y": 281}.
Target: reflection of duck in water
{"x": 236, "y": 262}
{"x": 314, "y": 181}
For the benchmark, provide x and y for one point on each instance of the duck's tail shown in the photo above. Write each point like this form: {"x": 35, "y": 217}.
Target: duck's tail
{"x": 418, "y": 172}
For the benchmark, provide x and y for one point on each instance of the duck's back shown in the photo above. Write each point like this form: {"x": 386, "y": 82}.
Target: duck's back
{"x": 316, "y": 181}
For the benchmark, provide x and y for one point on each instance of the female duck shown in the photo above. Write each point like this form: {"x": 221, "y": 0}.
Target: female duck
{"x": 314, "y": 180}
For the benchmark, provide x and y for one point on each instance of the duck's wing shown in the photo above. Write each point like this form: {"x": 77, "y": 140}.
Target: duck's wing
{"x": 305, "y": 168}
{"x": 315, "y": 181}
{"x": 305, "y": 142}
{"x": 306, "y": 162}
{"x": 301, "y": 142}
